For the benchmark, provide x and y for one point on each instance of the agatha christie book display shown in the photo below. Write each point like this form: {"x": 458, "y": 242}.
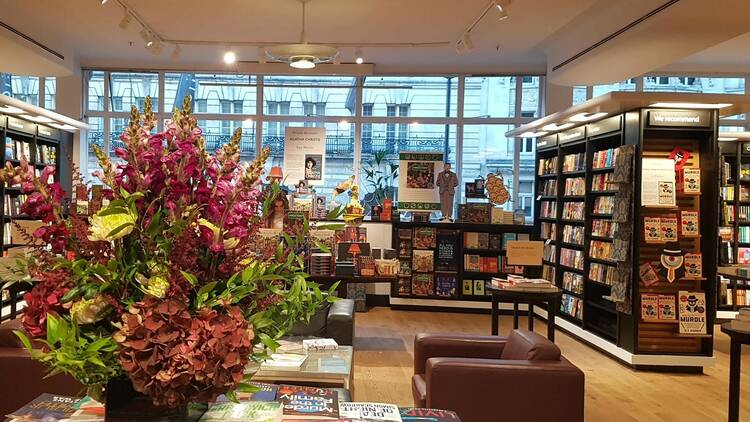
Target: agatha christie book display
{"x": 628, "y": 267}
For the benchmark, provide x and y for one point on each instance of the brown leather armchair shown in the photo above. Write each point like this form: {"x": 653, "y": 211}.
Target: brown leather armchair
{"x": 23, "y": 378}
{"x": 489, "y": 378}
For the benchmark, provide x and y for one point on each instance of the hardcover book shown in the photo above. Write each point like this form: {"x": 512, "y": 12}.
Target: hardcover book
{"x": 414, "y": 414}
{"x": 692, "y": 312}
{"x": 369, "y": 411}
{"x": 689, "y": 226}
{"x": 693, "y": 263}
{"x": 404, "y": 248}
{"x": 649, "y": 307}
{"x": 468, "y": 288}
{"x": 260, "y": 411}
{"x": 479, "y": 287}
{"x": 652, "y": 229}
{"x": 404, "y": 268}
{"x": 669, "y": 228}
{"x": 423, "y": 261}
{"x": 667, "y": 307}
{"x": 472, "y": 263}
{"x": 689, "y": 180}
{"x": 422, "y": 284}
{"x": 447, "y": 246}
{"x": 445, "y": 285}
{"x": 308, "y": 402}
{"x": 648, "y": 275}
{"x": 404, "y": 286}
{"x": 474, "y": 213}
{"x": 47, "y": 407}
{"x": 424, "y": 238}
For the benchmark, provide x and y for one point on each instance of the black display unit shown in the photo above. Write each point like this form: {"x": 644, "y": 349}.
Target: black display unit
{"x": 576, "y": 245}
{"x": 459, "y": 269}
{"x": 41, "y": 146}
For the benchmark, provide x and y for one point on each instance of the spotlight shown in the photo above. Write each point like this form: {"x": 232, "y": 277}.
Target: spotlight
{"x": 230, "y": 57}
{"x": 104, "y": 2}
{"x": 147, "y": 37}
{"x": 358, "y": 56}
{"x": 464, "y": 44}
{"x": 176, "y": 52}
{"x": 302, "y": 62}
{"x": 154, "y": 46}
{"x": 502, "y": 9}
{"x": 125, "y": 21}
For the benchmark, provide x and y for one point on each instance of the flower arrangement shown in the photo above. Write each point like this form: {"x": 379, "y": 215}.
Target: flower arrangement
{"x": 164, "y": 284}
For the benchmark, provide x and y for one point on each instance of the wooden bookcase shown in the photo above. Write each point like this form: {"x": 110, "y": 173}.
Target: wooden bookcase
{"x": 42, "y": 142}
{"x": 653, "y": 137}
{"x": 460, "y": 272}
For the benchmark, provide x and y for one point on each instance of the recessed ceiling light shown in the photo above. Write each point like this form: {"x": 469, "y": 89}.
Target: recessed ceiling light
{"x": 690, "y": 105}
{"x": 531, "y": 134}
{"x": 585, "y": 117}
{"x": 302, "y": 62}
{"x": 230, "y": 57}
{"x": 358, "y": 58}
{"x": 555, "y": 126}
{"x": 10, "y": 109}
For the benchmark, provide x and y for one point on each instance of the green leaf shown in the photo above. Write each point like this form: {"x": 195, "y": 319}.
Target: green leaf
{"x": 118, "y": 229}
{"x": 207, "y": 288}
{"x": 72, "y": 294}
{"x": 247, "y": 388}
{"x": 232, "y": 396}
{"x": 24, "y": 339}
{"x": 193, "y": 280}
{"x": 110, "y": 210}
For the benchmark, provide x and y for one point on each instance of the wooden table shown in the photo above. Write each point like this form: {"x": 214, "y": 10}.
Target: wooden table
{"x": 552, "y": 299}
{"x": 738, "y": 338}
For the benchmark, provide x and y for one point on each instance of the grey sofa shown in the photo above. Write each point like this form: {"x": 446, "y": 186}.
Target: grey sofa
{"x": 335, "y": 320}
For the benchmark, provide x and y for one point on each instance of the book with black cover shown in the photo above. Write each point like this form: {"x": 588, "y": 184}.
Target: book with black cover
{"x": 447, "y": 247}
{"x": 308, "y": 402}
{"x": 445, "y": 285}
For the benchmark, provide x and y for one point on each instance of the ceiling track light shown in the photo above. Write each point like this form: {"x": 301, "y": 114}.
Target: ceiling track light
{"x": 502, "y": 9}
{"x": 358, "y": 57}
{"x": 104, "y": 2}
{"x": 125, "y": 21}
{"x": 464, "y": 44}
{"x": 176, "y": 52}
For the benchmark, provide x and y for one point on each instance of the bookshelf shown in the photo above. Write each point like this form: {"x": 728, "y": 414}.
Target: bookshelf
{"x": 464, "y": 257}
{"x": 579, "y": 230}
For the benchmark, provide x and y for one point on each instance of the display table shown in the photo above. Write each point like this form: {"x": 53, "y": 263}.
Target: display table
{"x": 321, "y": 369}
{"x": 552, "y": 299}
{"x": 738, "y": 338}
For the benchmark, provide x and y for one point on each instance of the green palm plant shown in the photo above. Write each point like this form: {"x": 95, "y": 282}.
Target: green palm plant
{"x": 380, "y": 173}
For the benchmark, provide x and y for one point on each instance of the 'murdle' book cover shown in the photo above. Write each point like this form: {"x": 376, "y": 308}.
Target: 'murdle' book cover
{"x": 308, "y": 402}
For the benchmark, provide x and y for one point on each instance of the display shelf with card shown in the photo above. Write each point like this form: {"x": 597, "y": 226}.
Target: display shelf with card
{"x": 642, "y": 215}
{"x": 438, "y": 256}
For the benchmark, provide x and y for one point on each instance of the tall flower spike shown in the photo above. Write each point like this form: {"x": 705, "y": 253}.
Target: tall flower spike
{"x": 149, "y": 119}
{"x": 187, "y": 105}
{"x": 108, "y": 176}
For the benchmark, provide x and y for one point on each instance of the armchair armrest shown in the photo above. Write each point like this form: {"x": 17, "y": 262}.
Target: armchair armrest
{"x": 340, "y": 322}
{"x": 530, "y": 391}
{"x": 428, "y": 346}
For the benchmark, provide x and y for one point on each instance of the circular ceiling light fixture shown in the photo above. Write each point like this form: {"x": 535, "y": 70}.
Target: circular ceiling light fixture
{"x": 230, "y": 57}
{"x": 302, "y": 55}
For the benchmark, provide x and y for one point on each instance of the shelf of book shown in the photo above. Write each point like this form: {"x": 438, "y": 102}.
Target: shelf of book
{"x": 452, "y": 261}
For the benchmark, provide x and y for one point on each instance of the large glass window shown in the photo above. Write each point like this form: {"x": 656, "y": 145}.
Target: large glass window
{"x": 490, "y": 96}
{"x": 309, "y": 96}
{"x": 627, "y": 86}
{"x": 487, "y": 150}
{"x": 694, "y": 84}
{"x": 24, "y": 88}
{"x": 95, "y": 136}
{"x": 211, "y": 93}
{"x": 128, "y": 89}
{"x": 411, "y": 96}
{"x": 50, "y": 93}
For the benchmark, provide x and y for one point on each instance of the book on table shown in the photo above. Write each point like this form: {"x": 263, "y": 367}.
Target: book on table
{"x": 523, "y": 284}
{"x": 47, "y": 407}
{"x": 284, "y": 362}
{"x": 308, "y": 403}
{"x": 369, "y": 412}
{"x": 416, "y": 414}
{"x": 256, "y": 411}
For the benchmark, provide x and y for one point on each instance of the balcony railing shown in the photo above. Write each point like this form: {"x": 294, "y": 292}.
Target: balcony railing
{"x": 336, "y": 146}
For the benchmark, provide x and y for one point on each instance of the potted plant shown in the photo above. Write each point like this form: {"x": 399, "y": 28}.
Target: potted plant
{"x": 161, "y": 293}
{"x": 380, "y": 173}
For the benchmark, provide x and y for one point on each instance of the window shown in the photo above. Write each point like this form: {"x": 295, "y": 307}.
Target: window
{"x": 95, "y": 88}
{"x": 490, "y": 96}
{"x": 131, "y": 89}
{"x": 426, "y": 96}
{"x": 627, "y": 85}
{"x": 580, "y": 94}
{"x": 50, "y": 92}
{"x": 24, "y": 88}
{"x": 311, "y": 96}
{"x": 530, "y": 104}
{"x": 694, "y": 85}
{"x": 212, "y": 90}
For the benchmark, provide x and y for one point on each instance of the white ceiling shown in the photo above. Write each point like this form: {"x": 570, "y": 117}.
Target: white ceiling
{"x": 87, "y": 33}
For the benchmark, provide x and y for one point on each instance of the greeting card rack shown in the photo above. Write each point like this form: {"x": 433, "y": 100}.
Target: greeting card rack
{"x": 579, "y": 261}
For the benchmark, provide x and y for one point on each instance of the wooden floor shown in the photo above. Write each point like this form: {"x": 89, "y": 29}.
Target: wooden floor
{"x": 614, "y": 392}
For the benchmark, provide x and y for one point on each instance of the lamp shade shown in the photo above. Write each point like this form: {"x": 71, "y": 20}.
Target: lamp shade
{"x": 354, "y": 249}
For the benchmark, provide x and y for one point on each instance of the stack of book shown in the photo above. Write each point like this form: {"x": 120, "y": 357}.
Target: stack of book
{"x": 521, "y": 284}
{"x": 321, "y": 263}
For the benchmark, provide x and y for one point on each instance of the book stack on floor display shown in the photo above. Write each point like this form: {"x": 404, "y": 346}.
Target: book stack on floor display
{"x": 636, "y": 272}
{"x": 452, "y": 260}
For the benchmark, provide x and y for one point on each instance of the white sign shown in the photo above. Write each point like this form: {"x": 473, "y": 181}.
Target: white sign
{"x": 305, "y": 154}
{"x": 418, "y": 172}
{"x": 657, "y": 182}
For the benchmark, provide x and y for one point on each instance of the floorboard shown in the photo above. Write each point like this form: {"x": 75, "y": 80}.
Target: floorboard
{"x": 614, "y": 392}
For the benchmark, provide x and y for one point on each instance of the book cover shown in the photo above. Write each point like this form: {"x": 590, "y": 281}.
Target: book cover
{"x": 689, "y": 223}
{"x": 467, "y": 288}
{"x": 669, "y": 229}
{"x": 256, "y": 411}
{"x": 404, "y": 233}
{"x": 479, "y": 287}
{"x": 652, "y": 229}
{"x": 404, "y": 248}
{"x": 422, "y": 284}
{"x": 690, "y": 180}
{"x": 667, "y": 307}
{"x": 424, "y": 238}
{"x": 447, "y": 246}
{"x": 423, "y": 261}
{"x": 445, "y": 285}
{"x": 294, "y": 222}
{"x": 369, "y": 411}
{"x": 47, "y": 407}
{"x": 649, "y": 307}
{"x": 692, "y": 312}
{"x": 308, "y": 402}
{"x": 648, "y": 275}
{"x": 404, "y": 286}
{"x": 507, "y": 237}
{"x": 693, "y": 263}
{"x": 471, "y": 240}
{"x": 404, "y": 268}
{"x": 415, "y": 414}
{"x": 472, "y": 263}
{"x": 475, "y": 213}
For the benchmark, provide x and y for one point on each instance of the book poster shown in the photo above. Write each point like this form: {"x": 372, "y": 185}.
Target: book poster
{"x": 657, "y": 182}
{"x": 692, "y": 312}
{"x": 416, "y": 185}
{"x": 304, "y": 154}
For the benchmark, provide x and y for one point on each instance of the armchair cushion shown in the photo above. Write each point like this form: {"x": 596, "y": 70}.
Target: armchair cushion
{"x": 419, "y": 390}
{"x": 316, "y": 327}
{"x": 455, "y": 345}
{"x": 340, "y": 323}
{"x": 528, "y": 345}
